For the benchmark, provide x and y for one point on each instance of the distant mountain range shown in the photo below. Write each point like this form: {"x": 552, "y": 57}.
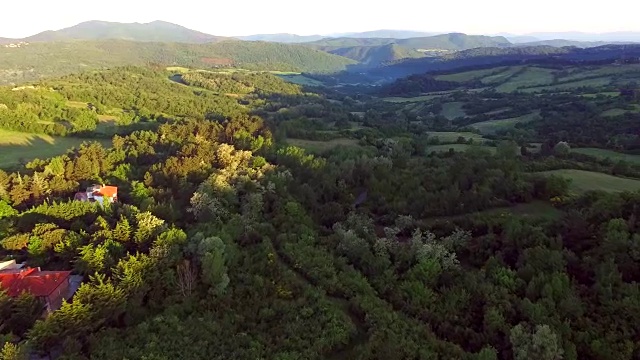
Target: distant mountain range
{"x": 383, "y": 54}
{"x": 156, "y": 31}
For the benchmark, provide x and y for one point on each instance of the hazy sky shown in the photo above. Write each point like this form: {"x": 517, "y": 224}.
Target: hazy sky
{"x": 21, "y": 18}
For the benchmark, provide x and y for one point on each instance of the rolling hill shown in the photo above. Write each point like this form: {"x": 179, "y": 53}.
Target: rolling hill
{"x": 282, "y": 38}
{"x": 160, "y": 31}
{"x": 375, "y": 55}
{"x": 453, "y": 41}
{"x": 39, "y": 60}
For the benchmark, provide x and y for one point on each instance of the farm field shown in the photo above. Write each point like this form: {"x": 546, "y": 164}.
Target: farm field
{"x": 604, "y": 153}
{"x": 532, "y": 76}
{"x": 451, "y": 136}
{"x": 491, "y": 126}
{"x": 299, "y": 79}
{"x": 597, "y": 82}
{"x": 502, "y": 76}
{"x": 458, "y": 148}
{"x": 582, "y": 181}
{"x": 17, "y": 146}
{"x": 470, "y": 75}
{"x": 316, "y": 146}
{"x": 618, "y": 112}
{"x": 421, "y": 98}
{"x": 452, "y": 110}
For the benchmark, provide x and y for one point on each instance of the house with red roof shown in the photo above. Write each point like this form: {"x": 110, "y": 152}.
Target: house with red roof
{"x": 52, "y": 287}
{"x": 99, "y": 193}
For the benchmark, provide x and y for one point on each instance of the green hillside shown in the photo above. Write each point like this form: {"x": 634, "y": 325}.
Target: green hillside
{"x": 454, "y": 41}
{"x": 375, "y": 55}
{"x": 39, "y": 60}
{"x": 101, "y": 30}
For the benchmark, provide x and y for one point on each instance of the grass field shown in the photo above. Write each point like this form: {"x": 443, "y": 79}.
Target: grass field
{"x": 470, "y": 75}
{"x": 618, "y": 112}
{"x": 77, "y": 104}
{"x": 491, "y": 126}
{"x": 597, "y": 82}
{"x": 299, "y": 79}
{"x": 458, "y": 148}
{"x": 320, "y": 146}
{"x": 534, "y": 209}
{"x": 582, "y": 181}
{"x": 604, "y": 93}
{"x": 450, "y": 136}
{"x": 17, "y": 146}
{"x": 452, "y": 110}
{"x": 532, "y": 76}
{"x": 501, "y": 76}
{"x": 414, "y": 99}
{"x": 603, "y": 153}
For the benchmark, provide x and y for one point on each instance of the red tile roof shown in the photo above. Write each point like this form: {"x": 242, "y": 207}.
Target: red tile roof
{"x": 34, "y": 281}
{"x": 109, "y": 191}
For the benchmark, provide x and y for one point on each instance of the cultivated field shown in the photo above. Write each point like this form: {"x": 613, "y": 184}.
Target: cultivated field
{"x": 470, "y": 75}
{"x": 603, "y": 154}
{"x": 491, "y": 126}
{"x": 582, "y": 181}
{"x": 451, "y": 136}
{"x": 321, "y": 146}
{"x": 452, "y": 110}
{"x": 532, "y": 76}
{"x": 458, "y": 148}
{"x": 299, "y": 79}
{"x": 17, "y": 146}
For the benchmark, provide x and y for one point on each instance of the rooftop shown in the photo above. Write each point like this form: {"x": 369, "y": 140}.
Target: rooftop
{"x": 33, "y": 281}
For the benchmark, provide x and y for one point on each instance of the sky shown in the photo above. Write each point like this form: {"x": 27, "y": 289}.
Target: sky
{"x": 22, "y": 18}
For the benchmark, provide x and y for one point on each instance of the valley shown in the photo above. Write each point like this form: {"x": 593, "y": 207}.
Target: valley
{"x": 439, "y": 196}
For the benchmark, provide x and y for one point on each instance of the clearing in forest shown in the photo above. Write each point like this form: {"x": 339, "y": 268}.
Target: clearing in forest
{"x": 470, "y": 75}
{"x": 452, "y": 136}
{"x": 532, "y": 76}
{"x": 604, "y": 153}
{"x": 458, "y": 148}
{"x": 316, "y": 146}
{"x": 582, "y": 181}
{"x": 452, "y": 110}
{"x": 18, "y": 146}
{"x": 491, "y": 126}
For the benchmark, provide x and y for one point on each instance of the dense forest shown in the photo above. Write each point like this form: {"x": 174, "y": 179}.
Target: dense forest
{"x": 45, "y": 60}
{"x": 257, "y": 219}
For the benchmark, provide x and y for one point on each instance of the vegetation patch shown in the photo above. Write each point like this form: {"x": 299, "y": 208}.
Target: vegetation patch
{"x": 604, "y": 153}
{"x": 458, "y": 148}
{"x": 453, "y": 136}
{"x": 321, "y": 146}
{"x": 532, "y": 76}
{"x": 17, "y": 147}
{"x": 453, "y": 110}
{"x": 491, "y": 126}
{"x": 471, "y": 75}
{"x": 582, "y": 181}
{"x": 299, "y": 79}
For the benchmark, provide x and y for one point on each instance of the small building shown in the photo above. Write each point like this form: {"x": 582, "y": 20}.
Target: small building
{"x": 10, "y": 265}
{"x": 98, "y": 193}
{"x": 51, "y": 287}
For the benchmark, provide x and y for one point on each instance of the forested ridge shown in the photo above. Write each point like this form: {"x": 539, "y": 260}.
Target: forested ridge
{"x": 46, "y": 60}
{"x": 230, "y": 240}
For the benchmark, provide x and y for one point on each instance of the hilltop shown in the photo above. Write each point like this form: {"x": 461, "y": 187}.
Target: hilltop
{"x": 39, "y": 60}
{"x": 453, "y": 41}
{"x": 161, "y": 31}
